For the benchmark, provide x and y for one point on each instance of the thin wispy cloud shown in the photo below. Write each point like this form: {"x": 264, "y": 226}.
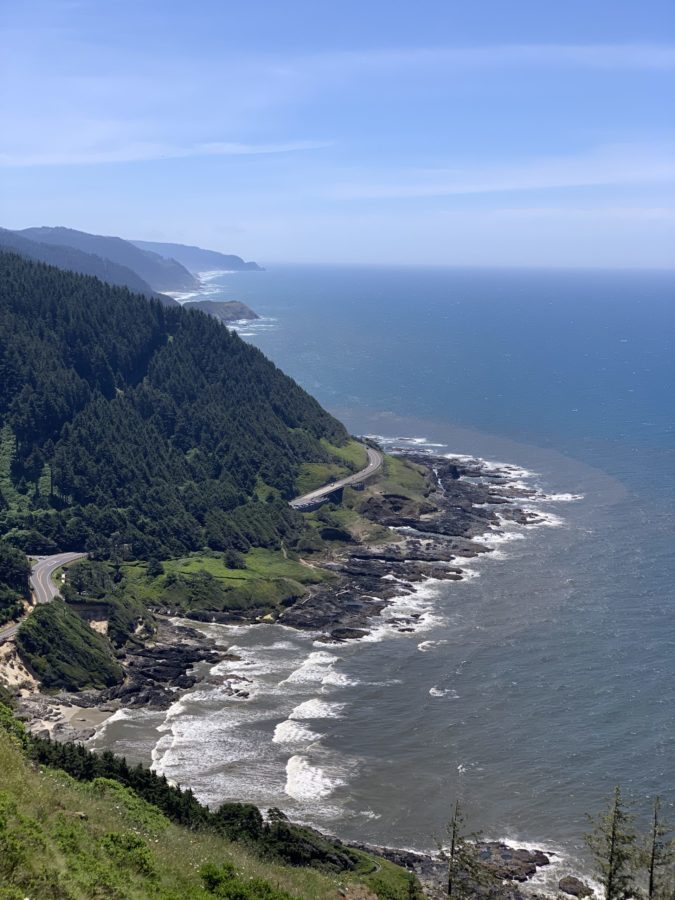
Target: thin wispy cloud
{"x": 341, "y": 134}
{"x": 623, "y": 165}
{"x": 140, "y": 152}
{"x": 593, "y": 56}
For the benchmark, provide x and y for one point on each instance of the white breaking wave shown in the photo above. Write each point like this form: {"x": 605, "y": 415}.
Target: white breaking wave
{"x": 211, "y": 274}
{"x": 545, "y": 519}
{"x": 414, "y": 441}
{"x": 313, "y": 669}
{"x": 444, "y": 692}
{"x": 119, "y": 715}
{"x": 317, "y": 709}
{"x": 409, "y": 613}
{"x": 289, "y": 732}
{"x": 426, "y": 646}
{"x": 561, "y": 863}
{"x": 497, "y": 538}
{"x": 306, "y": 782}
{"x": 494, "y": 468}
{"x": 337, "y": 679}
{"x": 318, "y": 669}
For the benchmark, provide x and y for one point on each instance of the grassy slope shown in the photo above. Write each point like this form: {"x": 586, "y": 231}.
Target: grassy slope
{"x": 402, "y": 477}
{"x": 398, "y": 476}
{"x": 193, "y": 582}
{"x": 61, "y": 838}
{"x": 348, "y": 459}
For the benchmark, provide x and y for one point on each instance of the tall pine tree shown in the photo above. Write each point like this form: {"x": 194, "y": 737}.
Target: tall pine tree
{"x": 659, "y": 856}
{"x": 612, "y": 843}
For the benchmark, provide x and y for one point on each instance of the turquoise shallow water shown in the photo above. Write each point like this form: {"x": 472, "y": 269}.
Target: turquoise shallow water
{"x": 535, "y": 686}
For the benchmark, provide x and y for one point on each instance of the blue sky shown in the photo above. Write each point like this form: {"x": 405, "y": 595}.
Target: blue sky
{"x": 452, "y": 133}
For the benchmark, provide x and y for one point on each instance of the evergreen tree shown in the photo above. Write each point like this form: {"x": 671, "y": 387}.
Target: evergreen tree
{"x": 464, "y": 868}
{"x": 612, "y": 843}
{"x": 659, "y": 855}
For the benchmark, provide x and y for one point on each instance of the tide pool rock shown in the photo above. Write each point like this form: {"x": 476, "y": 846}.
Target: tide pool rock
{"x": 574, "y": 887}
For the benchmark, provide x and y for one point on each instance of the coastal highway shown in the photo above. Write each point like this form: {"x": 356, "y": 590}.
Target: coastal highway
{"x": 375, "y": 460}
{"x": 43, "y": 588}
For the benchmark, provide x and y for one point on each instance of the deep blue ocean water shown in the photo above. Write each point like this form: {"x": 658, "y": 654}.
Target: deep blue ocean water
{"x": 532, "y": 689}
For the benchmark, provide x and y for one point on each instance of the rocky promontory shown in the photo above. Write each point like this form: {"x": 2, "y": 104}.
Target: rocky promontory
{"x": 466, "y": 503}
{"x": 226, "y": 311}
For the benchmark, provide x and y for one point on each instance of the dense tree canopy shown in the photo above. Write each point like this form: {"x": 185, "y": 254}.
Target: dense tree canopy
{"x": 14, "y": 574}
{"x": 128, "y": 424}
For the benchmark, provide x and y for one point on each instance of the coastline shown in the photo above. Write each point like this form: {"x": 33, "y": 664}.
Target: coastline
{"x": 478, "y": 506}
{"x": 471, "y": 504}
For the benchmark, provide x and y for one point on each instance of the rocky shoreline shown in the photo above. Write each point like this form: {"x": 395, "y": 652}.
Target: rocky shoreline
{"x": 467, "y": 502}
{"x": 155, "y": 675}
{"x": 506, "y": 868}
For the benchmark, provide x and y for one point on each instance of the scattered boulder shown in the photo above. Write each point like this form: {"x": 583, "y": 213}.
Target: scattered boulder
{"x": 574, "y": 887}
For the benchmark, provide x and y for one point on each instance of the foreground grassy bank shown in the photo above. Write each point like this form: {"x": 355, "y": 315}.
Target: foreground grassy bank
{"x": 93, "y": 836}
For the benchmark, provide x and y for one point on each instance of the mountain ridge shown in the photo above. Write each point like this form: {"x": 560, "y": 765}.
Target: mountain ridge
{"x": 74, "y": 260}
{"x": 160, "y": 273}
{"x": 197, "y": 259}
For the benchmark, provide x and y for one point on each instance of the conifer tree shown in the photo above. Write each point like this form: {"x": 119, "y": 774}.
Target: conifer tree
{"x": 612, "y": 843}
{"x": 659, "y": 856}
{"x": 464, "y": 867}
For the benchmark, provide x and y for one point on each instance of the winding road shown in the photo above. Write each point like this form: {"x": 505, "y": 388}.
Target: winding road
{"x": 375, "y": 460}
{"x": 43, "y": 588}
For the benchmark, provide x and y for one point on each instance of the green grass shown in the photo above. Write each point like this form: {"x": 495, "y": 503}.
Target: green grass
{"x": 398, "y": 476}
{"x": 345, "y": 517}
{"x": 403, "y": 477}
{"x": 202, "y": 581}
{"x": 260, "y": 563}
{"x": 267, "y": 565}
{"x": 348, "y": 459}
{"x": 316, "y": 475}
{"x": 353, "y": 453}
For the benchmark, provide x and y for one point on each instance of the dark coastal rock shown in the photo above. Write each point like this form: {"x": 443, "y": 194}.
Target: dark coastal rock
{"x": 346, "y": 634}
{"x": 431, "y": 871}
{"x": 329, "y": 608}
{"x": 506, "y": 862}
{"x": 433, "y": 533}
{"x": 521, "y": 517}
{"x": 155, "y": 673}
{"x": 574, "y": 887}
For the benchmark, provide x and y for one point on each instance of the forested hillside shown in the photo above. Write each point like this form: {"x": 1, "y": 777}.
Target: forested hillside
{"x": 131, "y": 425}
{"x": 14, "y": 572}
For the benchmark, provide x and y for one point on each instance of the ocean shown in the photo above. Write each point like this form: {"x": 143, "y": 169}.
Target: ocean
{"x": 531, "y": 688}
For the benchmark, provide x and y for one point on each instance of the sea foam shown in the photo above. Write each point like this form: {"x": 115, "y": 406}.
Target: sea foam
{"x": 289, "y": 732}
{"x": 317, "y": 709}
{"x": 307, "y": 782}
